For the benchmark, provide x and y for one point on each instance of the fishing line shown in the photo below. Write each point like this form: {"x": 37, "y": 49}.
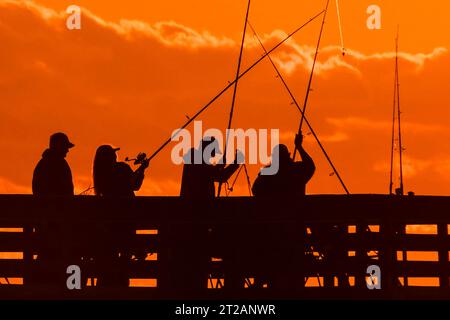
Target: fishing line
{"x": 294, "y": 100}
{"x": 340, "y": 27}
{"x": 230, "y": 119}
{"x": 230, "y": 84}
{"x": 308, "y": 90}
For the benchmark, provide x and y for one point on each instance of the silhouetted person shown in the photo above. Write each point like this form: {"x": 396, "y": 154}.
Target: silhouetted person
{"x": 114, "y": 179}
{"x": 199, "y": 178}
{"x": 191, "y": 246}
{"x": 291, "y": 178}
{"x": 52, "y": 175}
{"x": 286, "y": 185}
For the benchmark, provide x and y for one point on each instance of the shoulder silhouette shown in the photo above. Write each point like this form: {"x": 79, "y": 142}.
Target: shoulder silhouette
{"x": 199, "y": 174}
{"x": 286, "y": 178}
{"x": 113, "y": 178}
{"x": 52, "y": 175}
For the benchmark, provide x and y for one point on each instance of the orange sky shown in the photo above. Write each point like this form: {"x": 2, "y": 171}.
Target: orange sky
{"x": 135, "y": 70}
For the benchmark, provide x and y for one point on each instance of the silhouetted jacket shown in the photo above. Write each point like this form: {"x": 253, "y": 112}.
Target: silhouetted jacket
{"x": 198, "y": 179}
{"x": 123, "y": 181}
{"x": 289, "y": 181}
{"x": 52, "y": 176}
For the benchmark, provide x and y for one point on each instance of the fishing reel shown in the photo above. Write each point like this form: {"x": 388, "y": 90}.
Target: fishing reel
{"x": 141, "y": 158}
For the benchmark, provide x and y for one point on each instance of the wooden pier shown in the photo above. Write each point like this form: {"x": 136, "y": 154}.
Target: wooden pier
{"x": 254, "y": 249}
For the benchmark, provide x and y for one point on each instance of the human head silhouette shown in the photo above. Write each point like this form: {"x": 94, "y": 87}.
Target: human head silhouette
{"x": 105, "y": 158}
{"x": 106, "y": 155}
{"x": 280, "y": 159}
{"x": 281, "y": 154}
{"x": 209, "y": 147}
{"x": 60, "y": 144}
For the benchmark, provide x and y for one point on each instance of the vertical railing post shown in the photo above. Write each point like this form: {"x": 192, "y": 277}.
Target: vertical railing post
{"x": 301, "y": 257}
{"x": 163, "y": 264}
{"x": 361, "y": 255}
{"x": 28, "y": 250}
{"x": 443, "y": 255}
{"x": 388, "y": 258}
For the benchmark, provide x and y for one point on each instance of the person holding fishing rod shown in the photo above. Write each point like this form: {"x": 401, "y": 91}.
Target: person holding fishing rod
{"x": 192, "y": 245}
{"x": 113, "y": 179}
{"x": 198, "y": 178}
{"x": 117, "y": 179}
{"x": 291, "y": 178}
{"x": 282, "y": 188}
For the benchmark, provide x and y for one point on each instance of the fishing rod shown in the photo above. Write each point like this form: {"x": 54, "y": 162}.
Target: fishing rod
{"x": 394, "y": 109}
{"x": 299, "y": 109}
{"x": 230, "y": 119}
{"x": 311, "y": 75}
{"x": 191, "y": 119}
{"x": 396, "y": 112}
{"x": 400, "y": 146}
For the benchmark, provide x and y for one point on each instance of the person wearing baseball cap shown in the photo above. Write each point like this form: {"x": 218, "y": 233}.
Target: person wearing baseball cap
{"x": 52, "y": 175}
{"x": 199, "y": 174}
{"x": 113, "y": 178}
{"x": 198, "y": 187}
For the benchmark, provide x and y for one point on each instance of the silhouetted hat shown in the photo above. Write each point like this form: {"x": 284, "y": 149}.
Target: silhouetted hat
{"x": 107, "y": 148}
{"x": 60, "y": 139}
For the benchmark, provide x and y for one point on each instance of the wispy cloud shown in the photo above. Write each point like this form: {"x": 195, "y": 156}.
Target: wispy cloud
{"x": 168, "y": 32}
{"x": 357, "y": 123}
{"x": 412, "y": 166}
{"x": 294, "y": 55}
{"x": 9, "y": 187}
{"x": 289, "y": 58}
{"x": 416, "y": 58}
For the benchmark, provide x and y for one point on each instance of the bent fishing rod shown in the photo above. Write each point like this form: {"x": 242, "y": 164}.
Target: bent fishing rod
{"x": 299, "y": 109}
{"x": 230, "y": 119}
{"x": 308, "y": 89}
{"x": 191, "y": 119}
{"x": 396, "y": 109}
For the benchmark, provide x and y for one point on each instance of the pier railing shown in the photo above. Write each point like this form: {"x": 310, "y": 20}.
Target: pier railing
{"x": 249, "y": 249}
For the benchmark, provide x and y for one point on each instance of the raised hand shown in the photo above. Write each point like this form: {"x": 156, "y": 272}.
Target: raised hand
{"x": 298, "y": 141}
